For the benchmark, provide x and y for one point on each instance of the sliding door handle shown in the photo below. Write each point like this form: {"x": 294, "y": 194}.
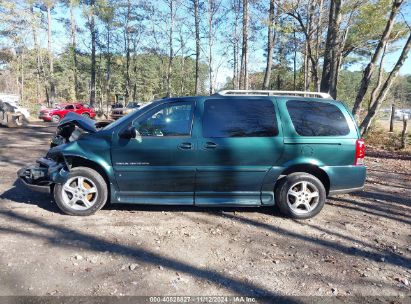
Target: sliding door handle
{"x": 185, "y": 146}
{"x": 210, "y": 145}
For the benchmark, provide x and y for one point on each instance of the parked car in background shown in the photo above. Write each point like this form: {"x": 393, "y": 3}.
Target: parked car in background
{"x": 401, "y": 114}
{"x": 116, "y": 112}
{"x": 61, "y": 110}
{"x": 230, "y": 149}
{"x": 11, "y": 114}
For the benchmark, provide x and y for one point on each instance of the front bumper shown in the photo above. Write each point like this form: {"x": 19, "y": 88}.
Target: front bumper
{"x": 41, "y": 175}
{"x": 45, "y": 117}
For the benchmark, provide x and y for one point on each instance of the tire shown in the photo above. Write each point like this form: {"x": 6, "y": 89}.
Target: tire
{"x": 84, "y": 199}
{"x": 20, "y": 120}
{"x": 296, "y": 203}
{"x": 55, "y": 118}
{"x": 85, "y": 115}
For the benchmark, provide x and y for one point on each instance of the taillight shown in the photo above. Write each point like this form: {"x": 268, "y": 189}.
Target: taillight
{"x": 359, "y": 152}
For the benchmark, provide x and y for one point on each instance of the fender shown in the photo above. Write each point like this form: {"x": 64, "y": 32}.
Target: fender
{"x": 96, "y": 152}
{"x": 305, "y": 164}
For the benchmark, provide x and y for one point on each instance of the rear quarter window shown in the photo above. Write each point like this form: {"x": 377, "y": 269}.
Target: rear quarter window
{"x": 312, "y": 118}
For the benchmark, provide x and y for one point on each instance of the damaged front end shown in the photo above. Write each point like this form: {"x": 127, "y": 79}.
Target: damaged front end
{"x": 41, "y": 175}
{"x": 54, "y": 168}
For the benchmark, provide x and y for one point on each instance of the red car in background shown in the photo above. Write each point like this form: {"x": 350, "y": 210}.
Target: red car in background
{"x": 61, "y": 110}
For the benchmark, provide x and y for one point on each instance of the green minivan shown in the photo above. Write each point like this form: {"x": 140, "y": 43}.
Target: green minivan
{"x": 234, "y": 148}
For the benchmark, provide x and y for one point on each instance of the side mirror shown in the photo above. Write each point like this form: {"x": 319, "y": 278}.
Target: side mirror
{"x": 130, "y": 132}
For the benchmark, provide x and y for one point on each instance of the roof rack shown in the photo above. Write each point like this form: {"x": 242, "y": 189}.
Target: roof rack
{"x": 272, "y": 93}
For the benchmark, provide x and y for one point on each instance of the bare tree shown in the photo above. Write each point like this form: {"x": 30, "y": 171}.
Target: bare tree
{"x": 52, "y": 92}
{"x": 93, "y": 33}
{"x": 369, "y": 70}
{"x": 73, "y": 32}
{"x": 305, "y": 21}
{"x": 375, "y": 104}
{"x": 197, "y": 39}
{"x": 244, "y": 81}
{"x": 40, "y": 75}
{"x": 270, "y": 44}
{"x": 172, "y": 16}
{"x": 235, "y": 41}
{"x": 332, "y": 50}
{"x": 213, "y": 23}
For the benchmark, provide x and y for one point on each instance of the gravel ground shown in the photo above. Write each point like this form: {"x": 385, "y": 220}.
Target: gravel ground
{"x": 360, "y": 244}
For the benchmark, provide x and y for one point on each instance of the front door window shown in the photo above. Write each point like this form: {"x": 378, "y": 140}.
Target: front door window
{"x": 173, "y": 119}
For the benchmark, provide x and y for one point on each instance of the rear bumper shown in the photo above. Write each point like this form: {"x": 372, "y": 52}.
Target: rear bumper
{"x": 41, "y": 175}
{"x": 345, "y": 179}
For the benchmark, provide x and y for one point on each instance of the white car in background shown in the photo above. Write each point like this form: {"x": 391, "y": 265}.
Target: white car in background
{"x": 11, "y": 114}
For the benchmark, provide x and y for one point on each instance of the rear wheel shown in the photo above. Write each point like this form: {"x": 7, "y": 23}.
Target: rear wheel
{"x": 300, "y": 195}
{"x": 55, "y": 118}
{"x": 84, "y": 192}
{"x": 85, "y": 115}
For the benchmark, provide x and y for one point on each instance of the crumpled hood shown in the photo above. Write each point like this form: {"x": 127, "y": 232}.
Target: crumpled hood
{"x": 87, "y": 124}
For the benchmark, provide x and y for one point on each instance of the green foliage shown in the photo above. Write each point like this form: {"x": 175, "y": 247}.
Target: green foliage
{"x": 147, "y": 74}
{"x": 368, "y": 26}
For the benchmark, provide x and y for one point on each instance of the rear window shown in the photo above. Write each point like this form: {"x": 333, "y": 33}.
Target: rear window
{"x": 239, "y": 118}
{"x": 311, "y": 118}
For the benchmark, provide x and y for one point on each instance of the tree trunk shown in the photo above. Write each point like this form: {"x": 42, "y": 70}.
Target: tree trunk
{"x": 306, "y": 67}
{"x": 392, "y": 118}
{"x": 244, "y": 50}
{"x": 108, "y": 67}
{"x": 210, "y": 45}
{"x": 270, "y": 45}
{"x": 73, "y": 27}
{"x": 385, "y": 88}
{"x": 128, "y": 81}
{"x": 197, "y": 31}
{"x": 52, "y": 92}
{"x": 369, "y": 70}
{"x": 311, "y": 62}
{"x": 318, "y": 43}
{"x": 93, "y": 54}
{"x": 36, "y": 48}
{"x": 404, "y": 133}
{"x": 235, "y": 65}
{"x": 171, "y": 52}
{"x": 127, "y": 53}
{"x": 295, "y": 62}
{"x": 331, "y": 52}
{"x": 379, "y": 80}
{"x": 22, "y": 77}
{"x": 182, "y": 64}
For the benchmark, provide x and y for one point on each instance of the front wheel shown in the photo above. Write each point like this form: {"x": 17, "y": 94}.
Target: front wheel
{"x": 84, "y": 192}
{"x": 300, "y": 195}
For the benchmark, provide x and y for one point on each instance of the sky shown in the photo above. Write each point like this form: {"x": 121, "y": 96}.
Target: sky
{"x": 257, "y": 58}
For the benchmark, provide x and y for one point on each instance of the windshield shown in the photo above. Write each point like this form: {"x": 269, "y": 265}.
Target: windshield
{"x": 120, "y": 120}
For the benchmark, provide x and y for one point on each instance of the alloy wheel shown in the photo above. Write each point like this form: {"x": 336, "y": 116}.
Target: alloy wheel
{"x": 303, "y": 197}
{"x": 79, "y": 193}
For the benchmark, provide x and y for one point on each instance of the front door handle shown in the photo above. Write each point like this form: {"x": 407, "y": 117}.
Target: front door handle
{"x": 210, "y": 145}
{"x": 185, "y": 146}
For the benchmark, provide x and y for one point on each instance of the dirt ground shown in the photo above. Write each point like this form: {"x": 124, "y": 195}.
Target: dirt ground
{"x": 360, "y": 244}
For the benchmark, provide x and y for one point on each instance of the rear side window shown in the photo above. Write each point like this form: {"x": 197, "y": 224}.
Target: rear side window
{"x": 311, "y": 118}
{"x": 239, "y": 118}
